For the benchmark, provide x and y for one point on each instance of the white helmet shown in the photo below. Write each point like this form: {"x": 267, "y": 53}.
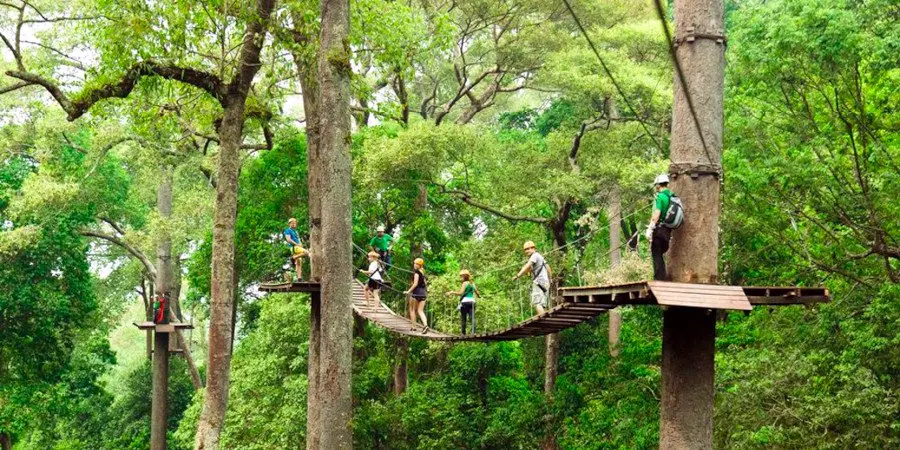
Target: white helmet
{"x": 663, "y": 178}
{"x": 380, "y": 229}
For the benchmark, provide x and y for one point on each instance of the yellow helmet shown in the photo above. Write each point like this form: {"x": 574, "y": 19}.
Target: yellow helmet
{"x": 465, "y": 272}
{"x": 528, "y": 244}
{"x": 374, "y": 255}
{"x": 419, "y": 262}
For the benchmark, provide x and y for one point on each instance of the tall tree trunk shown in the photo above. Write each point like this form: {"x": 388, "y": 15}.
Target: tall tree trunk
{"x": 336, "y": 342}
{"x": 401, "y": 365}
{"x": 615, "y": 258}
{"x": 313, "y": 397}
{"x": 164, "y": 277}
{"x": 309, "y": 85}
{"x": 160, "y": 408}
{"x": 5, "y": 442}
{"x": 215, "y": 402}
{"x": 222, "y": 304}
{"x": 165, "y": 270}
{"x": 552, "y": 341}
{"x": 686, "y": 413}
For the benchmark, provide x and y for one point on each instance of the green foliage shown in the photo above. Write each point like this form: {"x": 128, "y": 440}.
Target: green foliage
{"x": 267, "y": 405}
{"x": 129, "y": 425}
{"x": 479, "y": 109}
{"x": 806, "y": 85}
{"x": 68, "y": 412}
{"x": 481, "y": 401}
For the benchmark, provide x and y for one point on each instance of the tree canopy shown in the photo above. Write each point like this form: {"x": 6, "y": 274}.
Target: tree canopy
{"x": 476, "y": 126}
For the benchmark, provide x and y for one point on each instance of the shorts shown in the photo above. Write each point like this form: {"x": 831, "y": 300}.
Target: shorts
{"x": 538, "y": 296}
{"x": 373, "y": 285}
{"x": 419, "y": 294}
{"x": 297, "y": 252}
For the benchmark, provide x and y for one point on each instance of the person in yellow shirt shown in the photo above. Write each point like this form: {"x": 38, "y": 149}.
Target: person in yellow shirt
{"x": 297, "y": 250}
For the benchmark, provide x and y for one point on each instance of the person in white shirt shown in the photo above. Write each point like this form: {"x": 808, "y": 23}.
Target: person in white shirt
{"x": 540, "y": 277}
{"x": 373, "y": 286}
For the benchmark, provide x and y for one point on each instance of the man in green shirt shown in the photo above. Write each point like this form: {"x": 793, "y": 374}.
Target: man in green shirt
{"x": 658, "y": 234}
{"x": 383, "y": 243}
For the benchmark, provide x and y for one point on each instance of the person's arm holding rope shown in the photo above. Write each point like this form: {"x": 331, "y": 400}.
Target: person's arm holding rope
{"x": 415, "y": 283}
{"x": 462, "y": 290}
{"x": 525, "y": 269}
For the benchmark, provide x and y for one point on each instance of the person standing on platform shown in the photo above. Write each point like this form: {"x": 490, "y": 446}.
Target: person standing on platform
{"x": 467, "y": 294}
{"x": 667, "y": 214}
{"x": 540, "y": 276}
{"x": 417, "y": 293}
{"x": 373, "y": 286}
{"x": 297, "y": 250}
{"x": 383, "y": 243}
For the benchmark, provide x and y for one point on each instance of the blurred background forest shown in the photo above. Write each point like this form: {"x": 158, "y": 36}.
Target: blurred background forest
{"x": 478, "y": 125}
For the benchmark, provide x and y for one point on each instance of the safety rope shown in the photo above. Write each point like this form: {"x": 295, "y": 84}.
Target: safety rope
{"x": 364, "y": 252}
{"x": 448, "y": 310}
{"x": 559, "y": 249}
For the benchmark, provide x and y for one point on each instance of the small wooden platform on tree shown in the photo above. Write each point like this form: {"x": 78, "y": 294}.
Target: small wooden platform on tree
{"x": 163, "y": 327}
{"x": 708, "y": 296}
{"x": 288, "y": 286}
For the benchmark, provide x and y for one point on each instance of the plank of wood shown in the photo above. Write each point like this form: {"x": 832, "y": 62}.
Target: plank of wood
{"x": 675, "y": 285}
{"x": 699, "y": 295}
{"x": 755, "y": 300}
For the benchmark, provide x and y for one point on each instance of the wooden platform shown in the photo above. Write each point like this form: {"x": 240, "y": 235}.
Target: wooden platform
{"x": 287, "y": 286}
{"x": 163, "y": 327}
{"x": 693, "y": 295}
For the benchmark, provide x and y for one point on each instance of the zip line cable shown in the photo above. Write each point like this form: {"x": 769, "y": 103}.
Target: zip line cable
{"x": 611, "y": 77}
{"x": 681, "y": 78}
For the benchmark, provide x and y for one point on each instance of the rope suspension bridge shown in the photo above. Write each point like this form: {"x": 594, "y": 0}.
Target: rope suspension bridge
{"x": 582, "y": 303}
{"x": 571, "y": 306}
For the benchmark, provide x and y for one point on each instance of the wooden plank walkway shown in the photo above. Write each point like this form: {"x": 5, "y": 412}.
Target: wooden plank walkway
{"x": 557, "y": 319}
{"x": 583, "y": 303}
{"x": 710, "y": 296}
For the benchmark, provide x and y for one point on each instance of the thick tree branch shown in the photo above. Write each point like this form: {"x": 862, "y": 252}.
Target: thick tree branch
{"x": 113, "y": 224}
{"x": 14, "y": 87}
{"x": 149, "y": 268}
{"x": 78, "y": 106}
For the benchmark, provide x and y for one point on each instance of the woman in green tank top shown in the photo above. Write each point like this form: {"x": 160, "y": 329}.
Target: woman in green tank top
{"x": 467, "y": 294}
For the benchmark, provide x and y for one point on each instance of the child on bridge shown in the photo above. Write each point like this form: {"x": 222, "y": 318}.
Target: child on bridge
{"x": 373, "y": 286}
{"x": 467, "y": 294}
{"x": 540, "y": 276}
